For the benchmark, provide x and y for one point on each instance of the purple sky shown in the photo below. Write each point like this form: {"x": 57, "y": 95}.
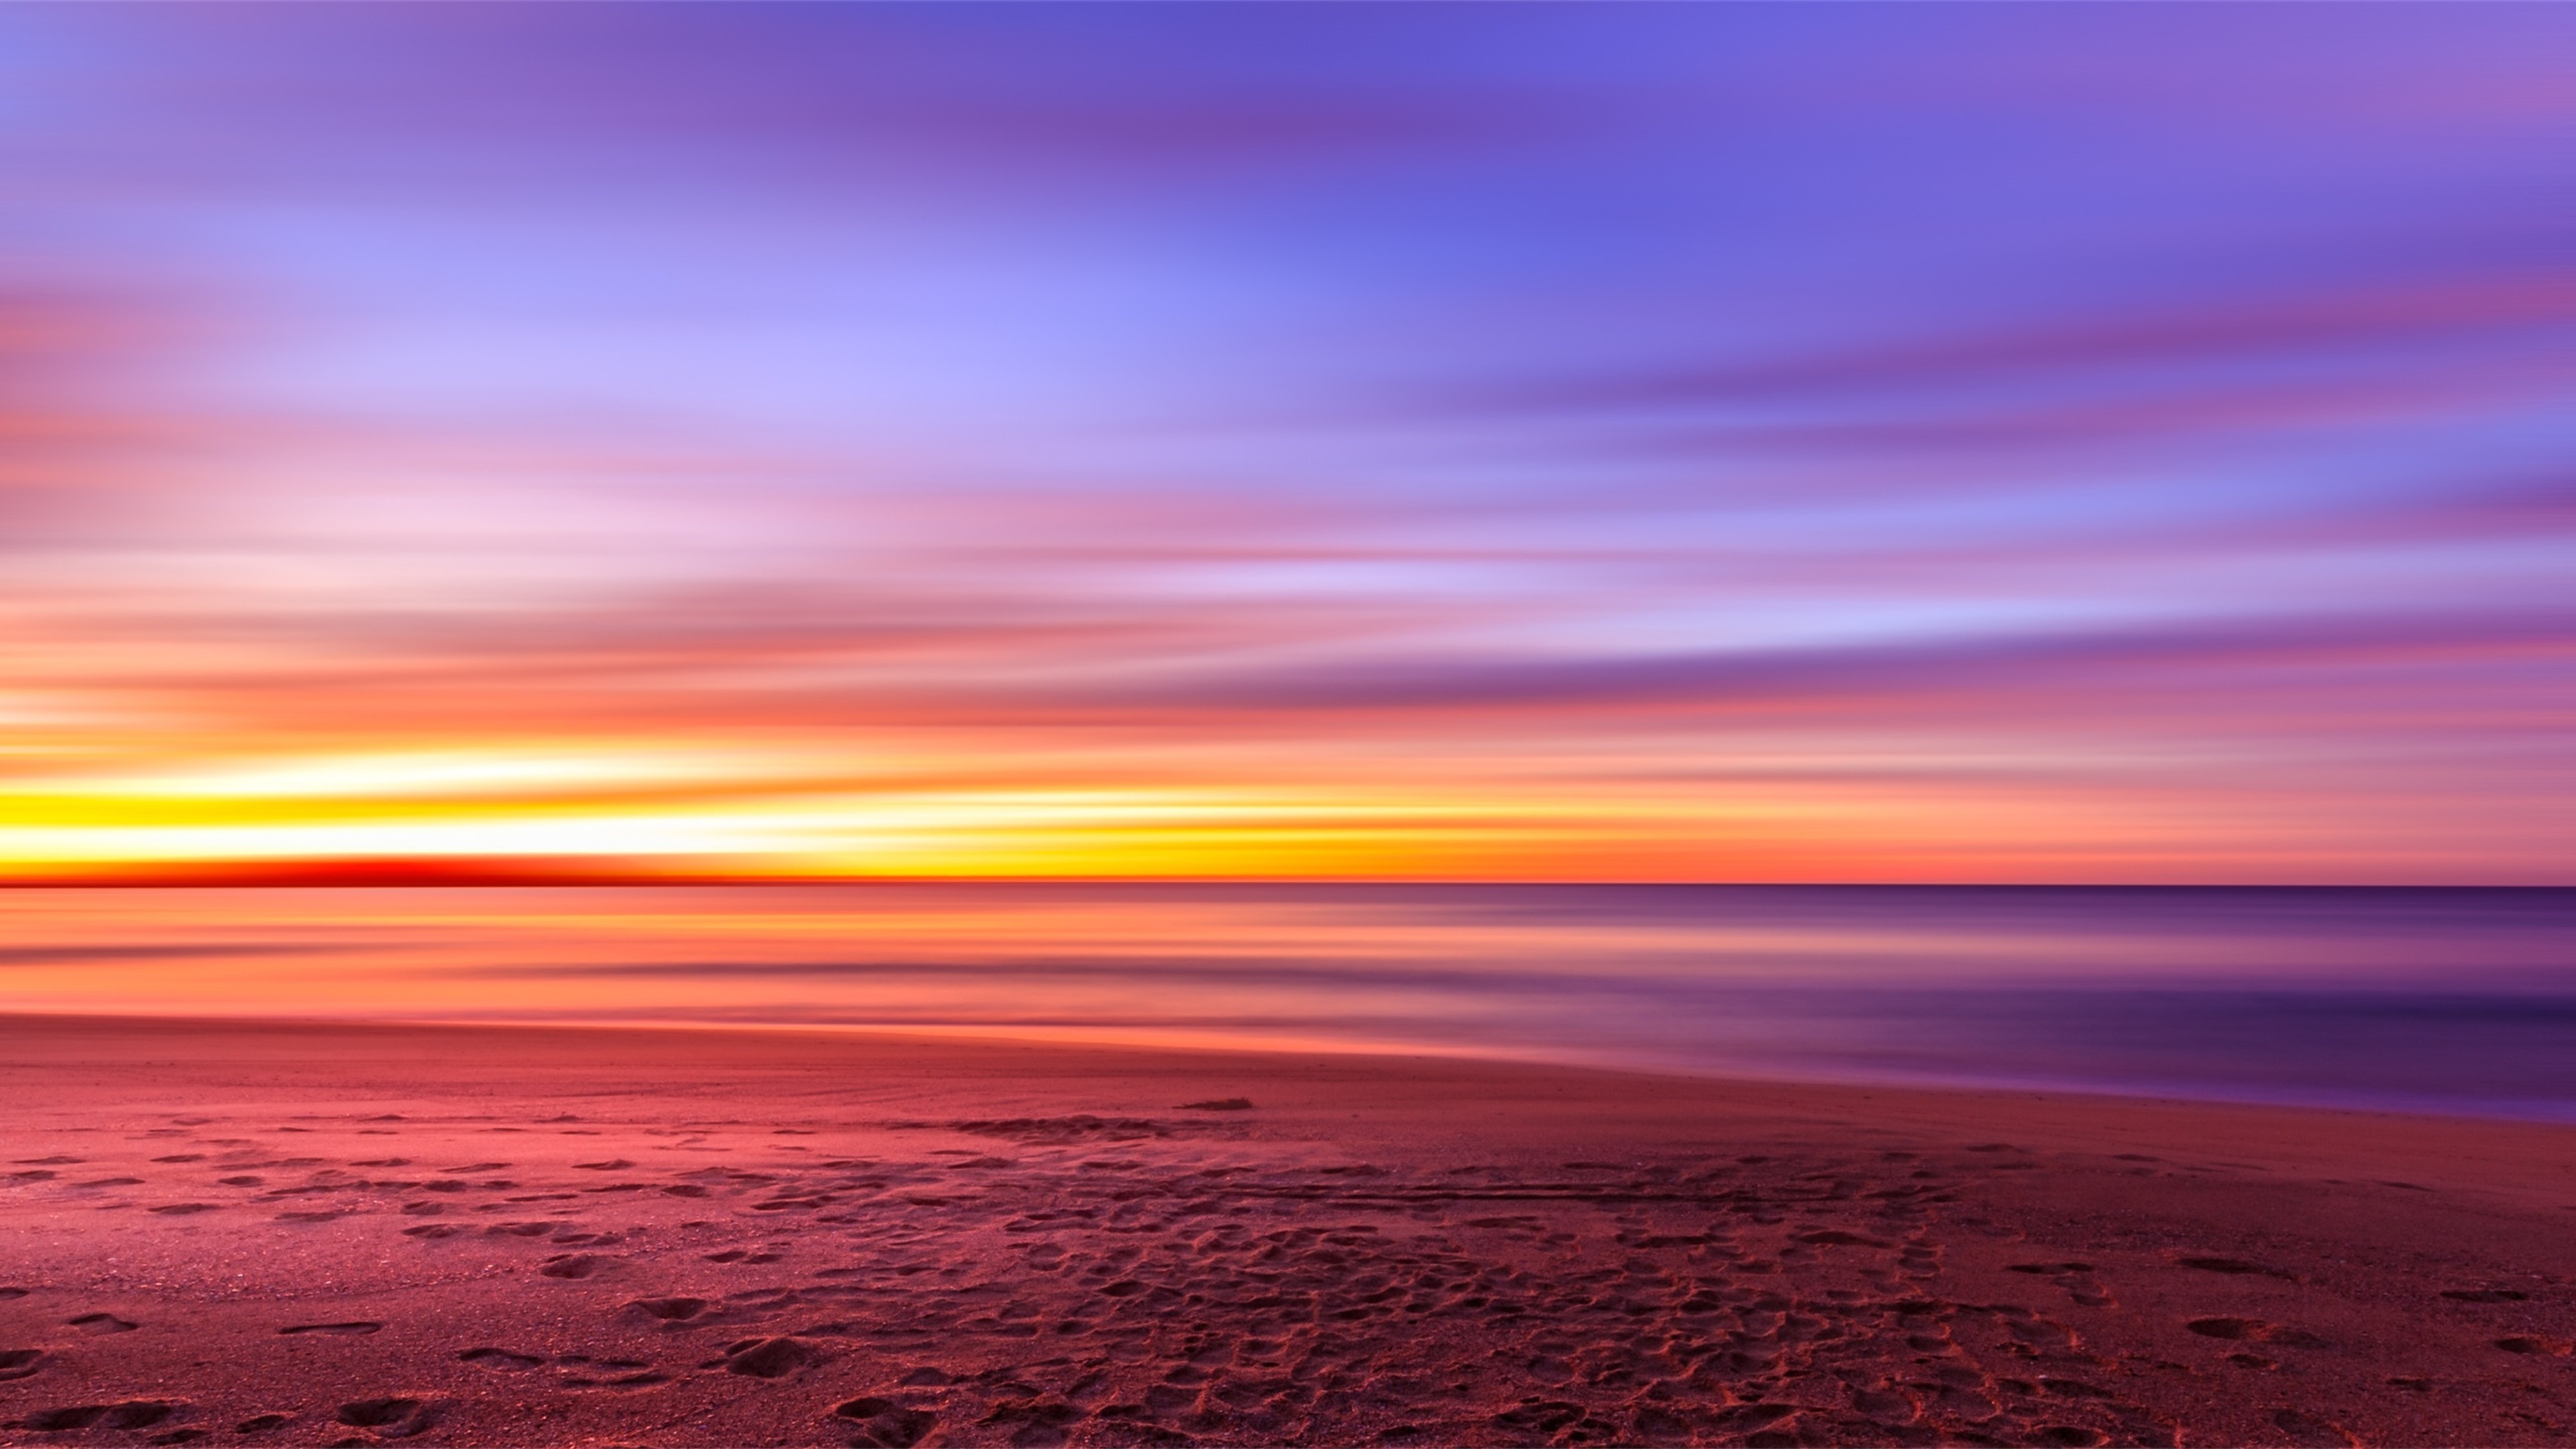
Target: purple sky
{"x": 1715, "y": 442}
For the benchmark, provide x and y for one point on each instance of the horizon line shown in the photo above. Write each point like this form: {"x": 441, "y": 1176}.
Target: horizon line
{"x": 572, "y": 873}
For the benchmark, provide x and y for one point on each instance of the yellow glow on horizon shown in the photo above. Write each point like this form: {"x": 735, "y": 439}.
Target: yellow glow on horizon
{"x": 924, "y": 804}
{"x": 737, "y": 811}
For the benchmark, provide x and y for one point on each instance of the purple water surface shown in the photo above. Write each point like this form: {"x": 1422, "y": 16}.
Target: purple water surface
{"x": 2444, "y": 1000}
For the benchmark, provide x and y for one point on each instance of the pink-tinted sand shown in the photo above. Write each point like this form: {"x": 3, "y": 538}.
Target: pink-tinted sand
{"x": 319, "y": 1234}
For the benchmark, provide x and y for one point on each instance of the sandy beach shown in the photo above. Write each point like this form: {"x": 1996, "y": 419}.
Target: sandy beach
{"x": 303, "y": 1234}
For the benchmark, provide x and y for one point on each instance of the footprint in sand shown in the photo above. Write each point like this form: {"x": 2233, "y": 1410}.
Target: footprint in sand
{"x": 576, "y": 1265}
{"x": 500, "y": 1358}
{"x": 18, "y": 1363}
{"x": 584, "y": 1372}
{"x": 669, "y": 1310}
{"x": 2076, "y": 1278}
{"x": 2485, "y": 1295}
{"x": 885, "y": 1424}
{"x": 182, "y": 1209}
{"x": 132, "y": 1414}
{"x": 389, "y": 1418}
{"x": 261, "y": 1423}
{"x": 1837, "y": 1238}
{"x": 2230, "y": 1328}
{"x": 768, "y": 1358}
{"x": 2537, "y": 1343}
{"x": 2235, "y": 1267}
{"x": 614, "y": 1164}
{"x": 2254, "y": 1330}
{"x": 1885, "y": 1405}
{"x": 102, "y": 1323}
{"x": 345, "y": 1329}
{"x": 2308, "y": 1430}
{"x": 1573, "y": 1421}
{"x": 1041, "y": 1421}
{"x": 433, "y": 1231}
{"x": 8, "y": 1293}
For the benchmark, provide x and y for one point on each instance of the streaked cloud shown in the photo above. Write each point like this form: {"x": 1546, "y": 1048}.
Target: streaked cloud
{"x": 1855, "y": 444}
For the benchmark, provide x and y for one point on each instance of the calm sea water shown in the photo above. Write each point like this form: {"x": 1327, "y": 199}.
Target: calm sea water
{"x": 2443, "y": 1000}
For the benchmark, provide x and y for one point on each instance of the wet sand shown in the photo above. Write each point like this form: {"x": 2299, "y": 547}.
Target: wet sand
{"x": 278, "y": 1234}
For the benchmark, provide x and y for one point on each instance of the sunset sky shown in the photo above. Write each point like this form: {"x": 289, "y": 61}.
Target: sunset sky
{"x": 2083, "y": 443}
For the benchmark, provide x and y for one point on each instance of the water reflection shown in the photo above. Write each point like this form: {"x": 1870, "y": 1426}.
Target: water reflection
{"x": 2458, "y": 1000}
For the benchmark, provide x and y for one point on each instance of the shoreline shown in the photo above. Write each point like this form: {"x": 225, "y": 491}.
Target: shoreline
{"x": 1151, "y": 1041}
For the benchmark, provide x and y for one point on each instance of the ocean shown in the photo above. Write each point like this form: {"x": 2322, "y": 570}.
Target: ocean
{"x": 2458, "y": 1001}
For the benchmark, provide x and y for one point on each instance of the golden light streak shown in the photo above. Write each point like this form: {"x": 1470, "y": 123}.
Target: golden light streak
{"x": 745, "y": 814}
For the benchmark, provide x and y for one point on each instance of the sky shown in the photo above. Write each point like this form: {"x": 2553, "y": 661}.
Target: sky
{"x": 1734, "y": 443}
